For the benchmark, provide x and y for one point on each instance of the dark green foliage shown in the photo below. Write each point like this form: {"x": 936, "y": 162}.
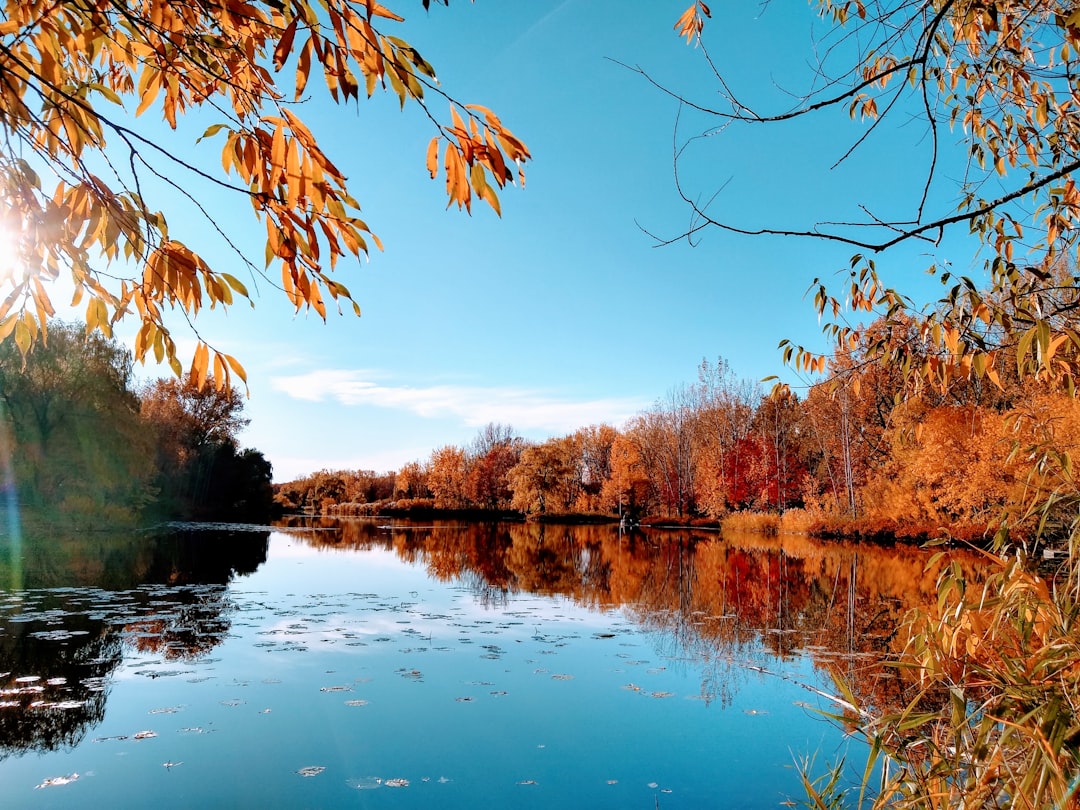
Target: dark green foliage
{"x": 201, "y": 472}
{"x": 72, "y": 431}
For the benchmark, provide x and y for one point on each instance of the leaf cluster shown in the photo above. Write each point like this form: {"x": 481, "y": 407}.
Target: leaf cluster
{"x": 74, "y": 170}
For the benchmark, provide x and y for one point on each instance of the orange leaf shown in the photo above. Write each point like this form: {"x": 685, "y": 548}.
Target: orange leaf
{"x": 284, "y": 46}
{"x": 433, "y": 157}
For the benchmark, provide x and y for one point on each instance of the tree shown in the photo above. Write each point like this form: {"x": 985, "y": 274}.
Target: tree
{"x": 547, "y": 479}
{"x": 993, "y": 719}
{"x": 723, "y": 414}
{"x": 411, "y": 481}
{"x": 596, "y": 442}
{"x": 75, "y": 168}
{"x": 666, "y": 447}
{"x": 627, "y": 490}
{"x": 201, "y": 470}
{"x": 193, "y": 414}
{"x": 488, "y": 482}
{"x": 77, "y": 443}
{"x": 446, "y": 477}
{"x": 1001, "y": 75}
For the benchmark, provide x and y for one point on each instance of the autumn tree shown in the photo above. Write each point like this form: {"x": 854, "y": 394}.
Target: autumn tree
{"x": 367, "y": 486}
{"x": 666, "y": 448}
{"x": 628, "y": 490}
{"x": 492, "y": 455}
{"x": 999, "y": 79}
{"x": 547, "y": 479}
{"x": 411, "y": 481}
{"x": 202, "y": 472}
{"x": 780, "y": 462}
{"x": 487, "y": 484}
{"x": 190, "y": 415}
{"x": 988, "y": 82}
{"x": 595, "y": 442}
{"x": 446, "y": 477}
{"x": 723, "y": 407}
{"x": 78, "y": 170}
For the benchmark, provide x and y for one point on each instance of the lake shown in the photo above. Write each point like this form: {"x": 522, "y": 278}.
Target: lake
{"x": 375, "y": 663}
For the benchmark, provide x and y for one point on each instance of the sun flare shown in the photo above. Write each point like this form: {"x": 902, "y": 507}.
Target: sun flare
{"x": 8, "y": 252}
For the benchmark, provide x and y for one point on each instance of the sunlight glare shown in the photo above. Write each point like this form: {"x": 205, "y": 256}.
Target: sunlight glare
{"x": 8, "y": 251}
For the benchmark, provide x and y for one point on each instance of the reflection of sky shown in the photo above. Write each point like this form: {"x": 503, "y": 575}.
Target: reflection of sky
{"x": 357, "y": 663}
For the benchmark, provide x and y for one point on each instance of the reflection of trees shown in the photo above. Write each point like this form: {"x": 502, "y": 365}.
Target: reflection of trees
{"x": 69, "y": 694}
{"x": 724, "y": 602}
{"x": 84, "y": 599}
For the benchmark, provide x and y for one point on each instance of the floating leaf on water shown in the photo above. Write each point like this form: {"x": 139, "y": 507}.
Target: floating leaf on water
{"x": 754, "y": 712}
{"x": 364, "y": 783}
{"x": 311, "y": 770}
{"x": 464, "y": 699}
{"x": 265, "y": 711}
{"x": 603, "y": 635}
{"x": 144, "y": 735}
{"x": 56, "y": 781}
{"x": 528, "y": 782}
{"x": 613, "y": 781}
{"x": 396, "y": 783}
{"x": 562, "y": 677}
{"x": 165, "y": 710}
{"x": 233, "y": 702}
{"x": 335, "y": 689}
{"x": 193, "y": 730}
{"x": 652, "y": 785}
{"x": 358, "y": 702}
{"x": 114, "y": 737}
{"x": 662, "y": 694}
{"x": 633, "y": 687}
{"x": 498, "y": 693}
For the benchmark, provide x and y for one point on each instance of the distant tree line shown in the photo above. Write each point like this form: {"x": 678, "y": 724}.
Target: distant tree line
{"x": 845, "y": 457}
{"x": 81, "y": 442}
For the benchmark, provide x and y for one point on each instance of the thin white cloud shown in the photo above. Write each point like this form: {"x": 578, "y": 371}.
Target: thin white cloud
{"x": 475, "y": 405}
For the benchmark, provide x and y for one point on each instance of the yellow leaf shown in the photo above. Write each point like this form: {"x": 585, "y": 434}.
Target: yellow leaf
{"x": 22, "y": 337}
{"x": 433, "y": 157}
{"x": 200, "y": 364}
{"x": 149, "y": 85}
{"x": 237, "y": 369}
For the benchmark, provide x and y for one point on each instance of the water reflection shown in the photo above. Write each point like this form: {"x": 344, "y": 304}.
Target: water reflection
{"x": 725, "y": 602}
{"x": 84, "y": 599}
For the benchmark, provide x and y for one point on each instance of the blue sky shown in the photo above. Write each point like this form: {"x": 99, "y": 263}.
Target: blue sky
{"x": 563, "y": 313}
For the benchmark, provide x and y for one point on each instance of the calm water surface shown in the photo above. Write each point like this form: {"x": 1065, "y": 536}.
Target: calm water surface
{"x": 368, "y": 664}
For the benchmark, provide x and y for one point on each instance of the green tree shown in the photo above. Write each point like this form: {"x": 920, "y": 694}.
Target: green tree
{"x": 77, "y": 442}
{"x": 76, "y": 166}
